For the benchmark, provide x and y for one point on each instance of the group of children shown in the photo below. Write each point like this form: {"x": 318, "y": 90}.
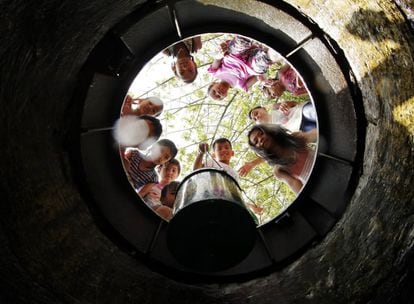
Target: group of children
{"x": 241, "y": 64}
{"x": 154, "y": 174}
{"x": 290, "y": 126}
{"x": 279, "y": 137}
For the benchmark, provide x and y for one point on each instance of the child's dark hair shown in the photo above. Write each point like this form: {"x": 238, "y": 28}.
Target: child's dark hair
{"x": 171, "y": 186}
{"x": 209, "y": 88}
{"x": 156, "y": 125}
{"x": 170, "y": 144}
{"x": 158, "y": 102}
{"x": 251, "y": 110}
{"x": 221, "y": 140}
{"x": 281, "y": 137}
{"x": 191, "y": 80}
{"x": 173, "y": 162}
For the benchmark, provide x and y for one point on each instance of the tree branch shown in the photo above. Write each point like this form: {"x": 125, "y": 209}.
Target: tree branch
{"x": 222, "y": 115}
{"x": 156, "y": 87}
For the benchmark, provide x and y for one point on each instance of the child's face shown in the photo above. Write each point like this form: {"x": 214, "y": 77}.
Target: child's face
{"x": 264, "y": 142}
{"x": 160, "y": 154}
{"x": 185, "y": 68}
{"x": 260, "y": 115}
{"x": 140, "y": 107}
{"x": 223, "y": 152}
{"x": 219, "y": 90}
{"x": 259, "y": 139}
{"x": 169, "y": 198}
{"x": 168, "y": 173}
{"x": 147, "y": 107}
{"x": 276, "y": 89}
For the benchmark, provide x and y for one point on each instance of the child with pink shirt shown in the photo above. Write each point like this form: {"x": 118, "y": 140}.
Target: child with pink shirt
{"x": 242, "y": 65}
{"x": 288, "y": 80}
{"x": 151, "y": 193}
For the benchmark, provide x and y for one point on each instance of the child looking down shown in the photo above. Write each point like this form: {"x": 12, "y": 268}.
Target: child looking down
{"x": 242, "y": 65}
{"x": 222, "y": 154}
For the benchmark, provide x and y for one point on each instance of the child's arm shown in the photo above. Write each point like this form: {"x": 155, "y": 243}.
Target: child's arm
{"x": 255, "y": 208}
{"x": 164, "y": 211}
{"x": 247, "y": 167}
{"x": 202, "y": 149}
{"x": 126, "y": 156}
{"x": 253, "y": 79}
{"x": 198, "y": 163}
{"x": 309, "y": 136}
{"x": 144, "y": 190}
{"x": 215, "y": 65}
{"x": 166, "y": 52}
{"x": 300, "y": 91}
{"x": 224, "y": 47}
{"x": 250, "y": 82}
{"x": 218, "y": 58}
{"x": 285, "y": 106}
{"x": 294, "y": 183}
{"x": 197, "y": 44}
{"x": 284, "y": 68}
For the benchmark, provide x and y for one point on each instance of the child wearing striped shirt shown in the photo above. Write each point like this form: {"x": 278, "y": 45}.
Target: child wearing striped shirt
{"x": 141, "y": 167}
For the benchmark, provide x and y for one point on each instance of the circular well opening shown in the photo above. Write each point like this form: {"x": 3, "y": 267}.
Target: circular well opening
{"x": 111, "y": 74}
{"x": 191, "y": 116}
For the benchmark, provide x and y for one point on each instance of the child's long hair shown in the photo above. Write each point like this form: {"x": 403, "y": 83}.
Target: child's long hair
{"x": 173, "y": 186}
{"x": 279, "y": 137}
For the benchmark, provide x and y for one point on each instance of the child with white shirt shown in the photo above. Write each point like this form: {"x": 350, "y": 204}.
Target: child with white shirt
{"x": 222, "y": 154}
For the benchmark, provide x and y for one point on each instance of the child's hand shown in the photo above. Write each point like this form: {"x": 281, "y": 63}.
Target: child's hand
{"x": 256, "y": 209}
{"x": 309, "y": 136}
{"x": 284, "y": 108}
{"x": 262, "y": 78}
{"x": 203, "y": 148}
{"x": 223, "y": 47}
{"x": 245, "y": 169}
{"x": 127, "y": 154}
{"x": 268, "y": 82}
{"x": 126, "y": 109}
{"x": 299, "y": 82}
